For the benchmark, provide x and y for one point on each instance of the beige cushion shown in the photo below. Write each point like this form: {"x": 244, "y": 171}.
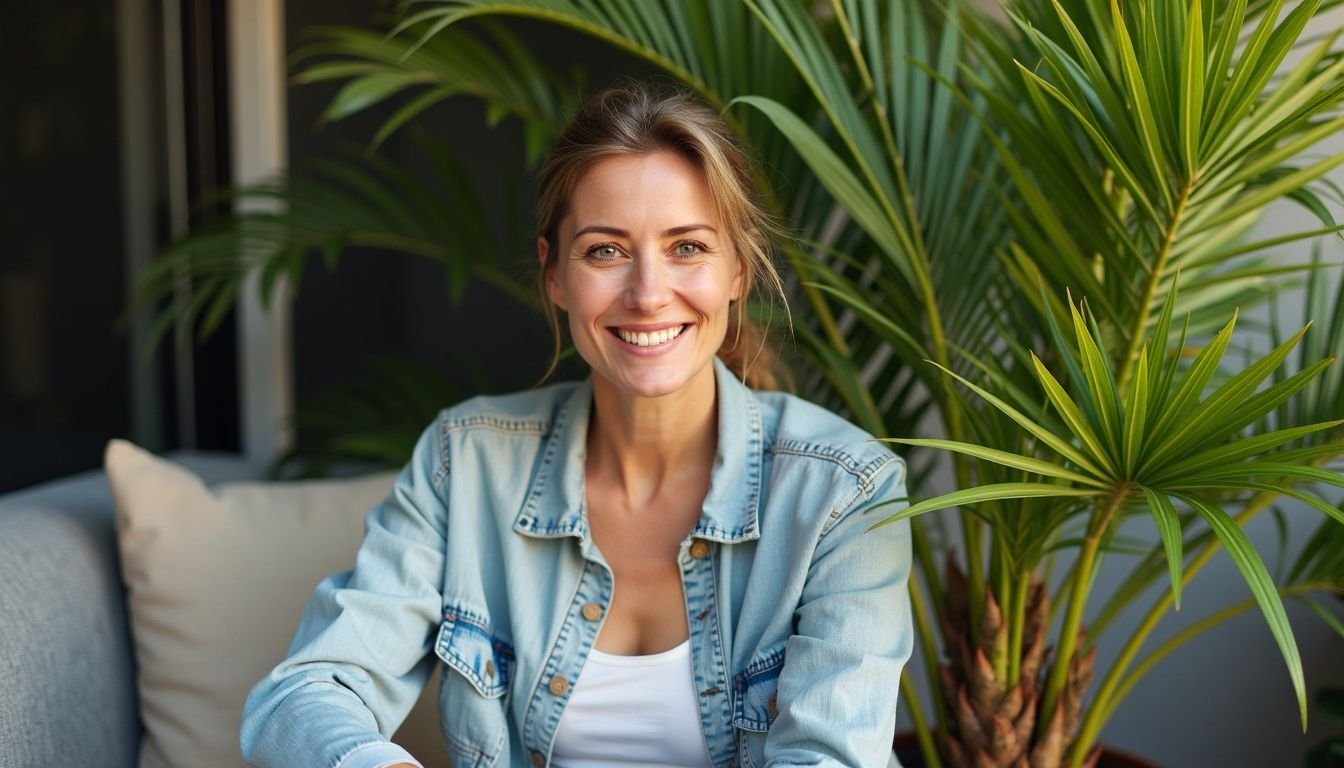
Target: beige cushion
{"x": 216, "y": 581}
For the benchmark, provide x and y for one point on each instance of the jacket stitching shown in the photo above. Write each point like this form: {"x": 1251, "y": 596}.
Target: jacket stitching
{"x": 501, "y": 650}
{"x": 760, "y": 671}
{"x": 462, "y": 746}
{"x": 862, "y": 471}
{"x": 496, "y": 423}
{"x": 528, "y": 519}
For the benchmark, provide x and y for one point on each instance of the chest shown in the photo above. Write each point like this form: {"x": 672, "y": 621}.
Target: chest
{"x": 647, "y": 613}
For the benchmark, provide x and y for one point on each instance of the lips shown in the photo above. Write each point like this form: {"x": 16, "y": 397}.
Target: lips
{"x": 649, "y": 337}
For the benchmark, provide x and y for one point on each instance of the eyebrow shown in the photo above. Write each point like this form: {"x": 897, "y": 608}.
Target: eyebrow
{"x": 618, "y": 232}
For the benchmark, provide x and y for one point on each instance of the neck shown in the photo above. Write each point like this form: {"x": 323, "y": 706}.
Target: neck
{"x": 643, "y": 444}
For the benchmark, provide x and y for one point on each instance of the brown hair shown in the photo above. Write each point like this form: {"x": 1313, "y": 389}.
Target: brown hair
{"x": 639, "y": 119}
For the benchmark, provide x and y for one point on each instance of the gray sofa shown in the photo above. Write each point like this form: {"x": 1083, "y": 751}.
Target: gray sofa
{"x": 67, "y": 673}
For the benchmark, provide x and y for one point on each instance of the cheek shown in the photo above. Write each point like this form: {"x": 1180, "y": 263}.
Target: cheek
{"x": 712, "y": 290}
{"x": 588, "y": 295}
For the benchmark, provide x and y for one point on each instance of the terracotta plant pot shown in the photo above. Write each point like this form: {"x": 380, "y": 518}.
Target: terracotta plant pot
{"x": 907, "y": 751}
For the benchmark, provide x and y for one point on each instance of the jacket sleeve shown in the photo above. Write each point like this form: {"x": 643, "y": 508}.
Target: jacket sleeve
{"x": 840, "y": 681}
{"x": 362, "y": 651}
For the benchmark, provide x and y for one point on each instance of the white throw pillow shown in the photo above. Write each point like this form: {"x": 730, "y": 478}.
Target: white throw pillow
{"x": 216, "y": 581}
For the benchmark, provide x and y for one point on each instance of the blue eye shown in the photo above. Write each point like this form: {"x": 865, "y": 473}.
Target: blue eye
{"x": 689, "y": 248}
{"x": 603, "y": 252}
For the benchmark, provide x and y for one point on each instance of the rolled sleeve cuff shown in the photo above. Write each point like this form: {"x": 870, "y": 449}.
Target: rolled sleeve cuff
{"x": 377, "y": 754}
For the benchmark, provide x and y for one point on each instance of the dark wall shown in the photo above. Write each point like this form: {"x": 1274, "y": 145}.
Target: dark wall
{"x": 63, "y": 373}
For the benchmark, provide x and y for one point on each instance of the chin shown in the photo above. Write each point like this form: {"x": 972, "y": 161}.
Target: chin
{"x": 650, "y": 386}
{"x": 652, "y": 381}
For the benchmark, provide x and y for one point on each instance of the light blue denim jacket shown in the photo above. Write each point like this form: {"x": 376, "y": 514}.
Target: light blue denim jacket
{"x": 481, "y": 557}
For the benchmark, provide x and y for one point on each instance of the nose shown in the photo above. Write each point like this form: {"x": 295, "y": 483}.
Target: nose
{"x": 649, "y": 288}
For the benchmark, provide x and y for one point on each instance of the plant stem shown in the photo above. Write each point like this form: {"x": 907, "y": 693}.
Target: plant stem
{"x": 975, "y": 579}
{"x": 922, "y": 734}
{"x": 1004, "y": 594}
{"x": 1144, "y": 310}
{"x": 1016, "y": 616}
{"x": 1104, "y": 702}
{"x": 1073, "y": 619}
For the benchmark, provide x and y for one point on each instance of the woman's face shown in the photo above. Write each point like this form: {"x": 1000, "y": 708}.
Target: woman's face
{"x": 645, "y": 272}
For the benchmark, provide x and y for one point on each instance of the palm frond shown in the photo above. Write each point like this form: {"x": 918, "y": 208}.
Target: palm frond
{"x": 341, "y": 204}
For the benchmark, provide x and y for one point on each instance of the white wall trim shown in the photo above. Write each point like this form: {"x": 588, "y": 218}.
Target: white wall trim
{"x": 257, "y": 110}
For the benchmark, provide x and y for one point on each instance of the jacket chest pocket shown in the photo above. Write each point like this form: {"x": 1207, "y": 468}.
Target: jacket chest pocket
{"x": 755, "y": 695}
{"x": 472, "y": 697}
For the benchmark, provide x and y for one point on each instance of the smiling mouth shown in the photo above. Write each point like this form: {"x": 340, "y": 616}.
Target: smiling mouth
{"x": 646, "y": 339}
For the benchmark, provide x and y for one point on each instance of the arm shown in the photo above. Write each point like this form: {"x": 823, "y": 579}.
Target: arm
{"x": 840, "y": 682}
{"x": 359, "y": 658}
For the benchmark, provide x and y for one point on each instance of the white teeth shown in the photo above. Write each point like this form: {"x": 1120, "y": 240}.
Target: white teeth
{"x": 645, "y": 339}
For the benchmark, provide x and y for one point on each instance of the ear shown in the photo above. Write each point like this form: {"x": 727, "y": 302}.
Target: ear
{"x": 739, "y": 279}
{"x": 553, "y": 290}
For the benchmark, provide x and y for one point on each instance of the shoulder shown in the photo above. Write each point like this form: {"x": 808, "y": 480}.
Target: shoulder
{"x": 527, "y": 413}
{"x": 802, "y": 433}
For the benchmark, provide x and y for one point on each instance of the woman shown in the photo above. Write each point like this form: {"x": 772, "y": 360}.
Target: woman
{"x": 655, "y": 566}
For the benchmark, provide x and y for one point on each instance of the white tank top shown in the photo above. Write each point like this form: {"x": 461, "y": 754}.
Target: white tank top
{"x": 630, "y": 711}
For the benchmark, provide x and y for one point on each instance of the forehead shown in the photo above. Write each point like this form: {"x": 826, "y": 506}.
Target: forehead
{"x": 662, "y": 188}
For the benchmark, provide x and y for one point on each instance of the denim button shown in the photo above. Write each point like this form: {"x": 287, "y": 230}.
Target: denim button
{"x": 489, "y": 668}
{"x": 699, "y": 548}
{"x": 538, "y": 759}
{"x": 559, "y": 685}
{"x": 592, "y": 611}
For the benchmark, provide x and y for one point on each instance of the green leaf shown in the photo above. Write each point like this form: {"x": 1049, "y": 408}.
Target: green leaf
{"x": 992, "y": 492}
{"x": 1169, "y": 527}
{"x": 1059, "y": 445}
{"x": 832, "y": 172}
{"x": 1271, "y": 469}
{"x": 363, "y": 92}
{"x": 897, "y": 336}
{"x": 409, "y": 111}
{"x": 1270, "y": 192}
{"x": 1192, "y": 384}
{"x": 1329, "y": 509}
{"x": 1140, "y": 103}
{"x": 1072, "y": 416}
{"x": 1243, "y": 554}
{"x": 1016, "y": 461}
{"x": 1192, "y": 87}
{"x": 1100, "y": 383}
{"x": 1158, "y": 343}
{"x": 1225, "y": 456}
{"x": 1232, "y": 405}
{"x": 1136, "y": 411}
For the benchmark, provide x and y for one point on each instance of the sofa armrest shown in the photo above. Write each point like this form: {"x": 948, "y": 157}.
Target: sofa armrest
{"x": 66, "y": 660}
{"x": 65, "y": 653}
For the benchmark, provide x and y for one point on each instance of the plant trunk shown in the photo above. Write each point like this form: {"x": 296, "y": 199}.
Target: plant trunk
{"x": 992, "y": 721}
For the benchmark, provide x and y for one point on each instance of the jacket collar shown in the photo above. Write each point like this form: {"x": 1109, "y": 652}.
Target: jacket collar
{"x": 554, "y": 505}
